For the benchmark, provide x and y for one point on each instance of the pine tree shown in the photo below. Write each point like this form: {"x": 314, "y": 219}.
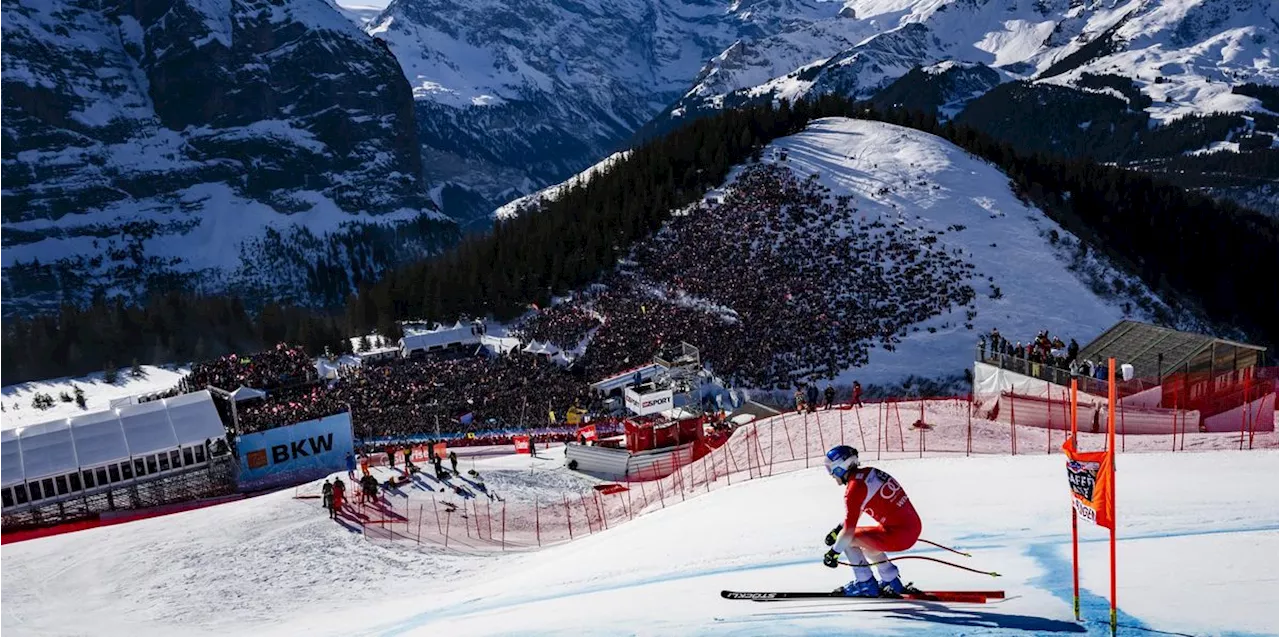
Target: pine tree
{"x": 110, "y": 374}
{"x": 136, "y": 370}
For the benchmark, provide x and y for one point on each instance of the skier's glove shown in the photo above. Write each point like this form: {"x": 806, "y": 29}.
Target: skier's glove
{"x": 830, "y": 559}
{"x": 835, "y": 533}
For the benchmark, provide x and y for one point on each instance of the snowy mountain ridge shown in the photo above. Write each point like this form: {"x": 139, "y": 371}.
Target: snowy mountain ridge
{"x": 512, "y": 99}
{"x": 259, "y": 146}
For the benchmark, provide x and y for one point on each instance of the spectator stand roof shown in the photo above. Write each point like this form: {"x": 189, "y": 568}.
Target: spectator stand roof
{"x": 1142, "y": 344}
{"x": 459, "y": 334}
{"x": 62, "y": 446}
{"x": 627, "y": 378}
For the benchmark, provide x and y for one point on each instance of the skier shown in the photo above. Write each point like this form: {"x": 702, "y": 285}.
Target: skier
{"x": 453, "y": 460}
{"x": 326, "y": 493}
{"x": 829, "y": 395}
{"x": 351, "y": 466}
{"x": 876, "y": 493}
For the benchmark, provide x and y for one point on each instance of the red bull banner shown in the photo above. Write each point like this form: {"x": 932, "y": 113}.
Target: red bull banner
{"x": 522, "y": 443}
{"x": 1089, "y": 476}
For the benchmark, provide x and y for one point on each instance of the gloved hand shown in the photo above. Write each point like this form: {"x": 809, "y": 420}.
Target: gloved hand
{"x": 835, "y": 533}
{"x": 829, "y": 560}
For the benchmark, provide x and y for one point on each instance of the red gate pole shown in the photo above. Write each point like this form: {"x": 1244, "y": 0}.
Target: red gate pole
{"x": 1075, "y": 524}
{"x": 1048, "y": 423}
{"x": 969, "y": 445}
{"x": 1013, "y": 426}
{"x": 879, "y": 437}
{"x": 806, "y": 440}
{"x": 631, "y": 512}
{"x": 842, "y": 426}
{"x": 787, "y": 430}
{"x": 419, "y": 523}
{"x": 857, "y": 412}
{"x": 1245, "y": 412}
{"x": 822, "y": 442}
{"x": 1120, "y": 406}
{"x": 1174, "y": 446}
{"x": 902, "y": 438}
{"x": 504, "y": 526}
{"x": 437, "y": 509}
{"x": 537, "y": 521}
{"x": 567, "y": 517}
{"x": 1111, "y": 435}
{"x": 1247, "y": 408}
{"x": 586, "y": 513}
{"x": 447, "y": 519}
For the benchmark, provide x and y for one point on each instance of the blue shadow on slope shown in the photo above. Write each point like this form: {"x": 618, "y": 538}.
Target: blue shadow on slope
{"x": 1095, "y": 610}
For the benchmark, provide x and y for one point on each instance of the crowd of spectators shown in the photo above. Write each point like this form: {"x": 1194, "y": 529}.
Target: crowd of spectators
{"x": 280, "y": 366}
{"x": 458, "y": 391}
{"x": 1036, "y": 357}
{"x": 826, "y": 285}
{"x": 563, "y": 325}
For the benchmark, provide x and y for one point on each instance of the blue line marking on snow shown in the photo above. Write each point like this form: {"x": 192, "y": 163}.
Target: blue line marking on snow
{"x": 1095, "y": 610}
{"x": 949, "y": 621}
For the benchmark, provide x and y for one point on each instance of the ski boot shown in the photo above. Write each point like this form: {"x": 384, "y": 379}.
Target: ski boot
{"x": 895, "y": 588}
{"x": 869, "y": 588}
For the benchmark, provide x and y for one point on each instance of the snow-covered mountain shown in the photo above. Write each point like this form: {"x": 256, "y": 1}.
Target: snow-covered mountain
{"x": 512, "y": 97}
{"x": 1187, "y": 54}
{"x": 262, "y": 146}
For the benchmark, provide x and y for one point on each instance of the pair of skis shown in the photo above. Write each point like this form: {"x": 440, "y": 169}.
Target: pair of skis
{"x": 964, "y": 597}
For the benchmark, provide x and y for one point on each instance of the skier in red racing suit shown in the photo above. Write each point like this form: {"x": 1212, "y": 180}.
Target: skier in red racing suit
{"x": 897, "y": 526}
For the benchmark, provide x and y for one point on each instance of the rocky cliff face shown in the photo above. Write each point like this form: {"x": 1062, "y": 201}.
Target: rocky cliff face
{"x": 203, "y": 144}
{"x": 515, "y": 96}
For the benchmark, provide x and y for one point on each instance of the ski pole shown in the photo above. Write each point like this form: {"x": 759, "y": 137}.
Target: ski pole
{"x": 945, "y": 548}
{"x": 922, "y": 557}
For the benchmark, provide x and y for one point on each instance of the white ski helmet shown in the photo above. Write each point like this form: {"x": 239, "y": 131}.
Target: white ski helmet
{"x": 841, "y": 461}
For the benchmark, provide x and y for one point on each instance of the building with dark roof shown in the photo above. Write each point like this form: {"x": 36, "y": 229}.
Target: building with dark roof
{"x": 1156, "y": 352}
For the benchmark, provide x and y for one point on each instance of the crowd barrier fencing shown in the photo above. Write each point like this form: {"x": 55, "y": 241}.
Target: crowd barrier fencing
{"x": 467, "y": 518}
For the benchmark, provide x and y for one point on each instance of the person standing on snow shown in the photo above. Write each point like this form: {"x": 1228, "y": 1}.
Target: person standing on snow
{"x": 326, "y": 494}
{"x": 876, "y": 493}
{"x": 351, "y": 466}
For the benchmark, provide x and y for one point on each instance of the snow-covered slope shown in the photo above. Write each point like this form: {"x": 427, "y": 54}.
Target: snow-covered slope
{"x": 551, "y": 193}
{"x": 98, "y": 394}
{"x": 201, "y": 145}
{"x": 277, "y": 566}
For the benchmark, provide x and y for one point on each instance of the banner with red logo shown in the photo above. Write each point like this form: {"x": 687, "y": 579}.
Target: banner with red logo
{"x": 587, "y": 433}
{"x": 442, "y": 450}
{"x": 522, "y": 443}
{"x": 1089, "y": 476}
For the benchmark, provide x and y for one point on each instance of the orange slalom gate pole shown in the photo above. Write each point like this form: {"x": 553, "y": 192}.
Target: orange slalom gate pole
{"x": 822, "y": 442}
{"x": 1174, "y": 446}
{"x": 1244, "y": 411}
{"x": 504, "y": 526}
{"x": 1111, "y": 444}
{"x": 787, "y": 430}
{"x": 437, "y": 510}
{"x": 419, "y": 523}
{"x": 537, "y": 521}
{"x": 1111, "y": 438}
{"x": 1075, "y": 523}
{"x": 447, "y": 518}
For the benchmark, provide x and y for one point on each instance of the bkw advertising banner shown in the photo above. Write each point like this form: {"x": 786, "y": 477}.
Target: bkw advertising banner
{"x": 295, "y": 453}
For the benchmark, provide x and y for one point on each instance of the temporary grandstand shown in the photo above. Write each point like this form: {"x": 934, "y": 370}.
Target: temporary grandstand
{"x": 1156, "y": 352}
{"x": 135, "y": 456}
{"x": 1214, "y": 382}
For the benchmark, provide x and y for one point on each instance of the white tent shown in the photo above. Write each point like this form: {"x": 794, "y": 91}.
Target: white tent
{"x": 246, "y": 393}
{"x": 67, "y": 445}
